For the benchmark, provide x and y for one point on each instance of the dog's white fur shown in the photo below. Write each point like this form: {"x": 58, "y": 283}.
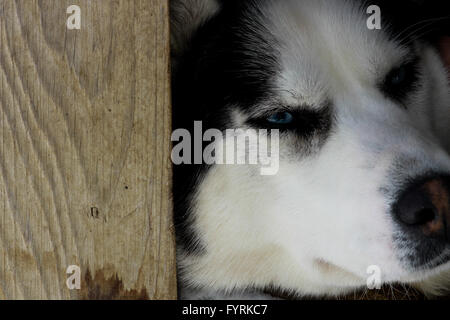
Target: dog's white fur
{"x": 316, "y": 226}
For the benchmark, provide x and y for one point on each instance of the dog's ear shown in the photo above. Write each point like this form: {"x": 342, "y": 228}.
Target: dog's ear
{"x": 186, "y": 17}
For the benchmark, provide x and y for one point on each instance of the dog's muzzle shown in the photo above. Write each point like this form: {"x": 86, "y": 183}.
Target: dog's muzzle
{"x": 423, "y": 213}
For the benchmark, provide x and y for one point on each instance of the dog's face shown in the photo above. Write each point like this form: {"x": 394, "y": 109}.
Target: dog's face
{"x": 364, "y": 173}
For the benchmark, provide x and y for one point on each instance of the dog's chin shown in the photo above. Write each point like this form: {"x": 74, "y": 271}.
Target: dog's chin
{"x": 434, "y": 269}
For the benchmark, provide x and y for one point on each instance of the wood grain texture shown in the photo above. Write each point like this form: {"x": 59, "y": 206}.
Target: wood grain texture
{"x": 85, "y": 173}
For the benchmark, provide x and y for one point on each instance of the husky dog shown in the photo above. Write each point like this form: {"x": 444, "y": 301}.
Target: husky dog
{"x": 364, "y": 174}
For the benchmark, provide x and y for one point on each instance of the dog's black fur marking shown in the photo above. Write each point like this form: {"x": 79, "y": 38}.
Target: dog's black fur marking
{"x": 220, "y": 68}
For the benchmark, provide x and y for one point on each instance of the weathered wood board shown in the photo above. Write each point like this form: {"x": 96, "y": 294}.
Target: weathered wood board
{"x": 85, "y": 172}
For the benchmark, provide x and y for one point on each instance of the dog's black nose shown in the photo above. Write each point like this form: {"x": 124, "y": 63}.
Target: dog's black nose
{"x": 425, "y": 208}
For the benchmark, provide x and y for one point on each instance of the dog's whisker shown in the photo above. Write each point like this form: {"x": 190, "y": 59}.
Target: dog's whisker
{"x": 416, "y": 37}
{"x": 418, "y": 24}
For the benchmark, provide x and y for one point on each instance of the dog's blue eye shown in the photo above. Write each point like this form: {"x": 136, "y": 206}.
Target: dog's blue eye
{"x": 281, "y": 118}
{"x": 400, "y": 81}
{"x": 398, "y": 77}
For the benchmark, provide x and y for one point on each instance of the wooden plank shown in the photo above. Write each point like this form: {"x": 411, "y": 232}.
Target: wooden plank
{"x": 85, "y": 172}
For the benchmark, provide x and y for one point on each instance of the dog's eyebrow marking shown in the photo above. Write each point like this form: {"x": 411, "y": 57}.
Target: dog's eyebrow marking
{"x": 275, "y": 107}
{"x": 381, "y": 66}
{"x": 408, "y": 57}
{"x": 292, "y": 94}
